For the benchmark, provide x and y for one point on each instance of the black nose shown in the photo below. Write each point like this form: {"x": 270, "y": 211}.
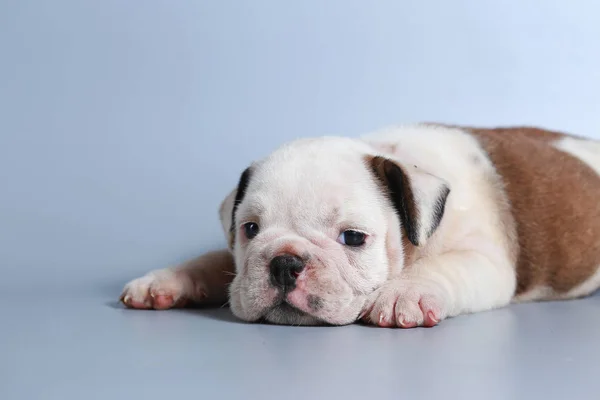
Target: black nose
{"x": 285, "y": 269}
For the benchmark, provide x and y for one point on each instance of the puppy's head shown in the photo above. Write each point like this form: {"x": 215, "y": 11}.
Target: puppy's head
{"x": 319, "y": 225}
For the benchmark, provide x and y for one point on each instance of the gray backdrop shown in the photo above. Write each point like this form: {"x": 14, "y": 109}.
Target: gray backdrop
{"x": 124, "y": 123}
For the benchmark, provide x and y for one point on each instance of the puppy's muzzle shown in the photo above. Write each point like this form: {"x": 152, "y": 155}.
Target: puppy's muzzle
{"x": 284, "y": 271}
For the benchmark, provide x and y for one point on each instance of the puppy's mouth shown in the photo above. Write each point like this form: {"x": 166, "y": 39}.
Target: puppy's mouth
{"x": 285, "y": 313}
{"x": 286, "y": 307}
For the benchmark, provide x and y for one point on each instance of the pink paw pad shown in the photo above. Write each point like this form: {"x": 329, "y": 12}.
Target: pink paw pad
{"x": 406, "y": 324}
{"x": 162, "y": 301}
{"x": 430, "y": 316}
{"x": 132, "y": 303}
{"x": 384, "y": 322}
{"x": 151, "y": 293}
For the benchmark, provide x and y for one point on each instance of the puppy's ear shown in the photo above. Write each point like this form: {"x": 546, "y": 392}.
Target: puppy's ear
{"x": 230, "y": 204}
{"x": 418, "y": 197}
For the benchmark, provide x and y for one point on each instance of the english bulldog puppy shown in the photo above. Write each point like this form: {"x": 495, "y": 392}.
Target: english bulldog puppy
{"x": 401, "y": 228}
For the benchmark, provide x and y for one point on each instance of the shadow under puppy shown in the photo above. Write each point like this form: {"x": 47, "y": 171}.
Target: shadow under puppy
{"x": 402, "y": 228}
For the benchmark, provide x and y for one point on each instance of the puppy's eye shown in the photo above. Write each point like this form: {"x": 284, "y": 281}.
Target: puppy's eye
{"x": 251, "y": 229}
{"x": 352, "y": 238}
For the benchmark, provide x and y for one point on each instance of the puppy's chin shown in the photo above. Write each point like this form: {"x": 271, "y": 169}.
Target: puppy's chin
{"x": 285, "y": 314}
{"x": 267, "y": 306}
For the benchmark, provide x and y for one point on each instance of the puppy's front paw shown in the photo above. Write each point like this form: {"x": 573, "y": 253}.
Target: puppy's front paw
{"x": 157, "y": 290}
{"x": 405, "y": 303}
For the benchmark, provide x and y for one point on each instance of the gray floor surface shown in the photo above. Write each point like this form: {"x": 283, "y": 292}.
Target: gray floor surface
{"x": 84, "y": 345}
{"x": 123, "y": 125}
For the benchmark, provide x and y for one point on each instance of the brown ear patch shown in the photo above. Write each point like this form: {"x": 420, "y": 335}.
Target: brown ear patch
{"x": 239, "y": 196}
{"x": 398, "y": 189}
{"x": 419, "y": 200}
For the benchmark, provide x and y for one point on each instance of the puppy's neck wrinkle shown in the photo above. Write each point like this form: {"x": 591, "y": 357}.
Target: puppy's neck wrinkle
{"x": 410, "y": 252}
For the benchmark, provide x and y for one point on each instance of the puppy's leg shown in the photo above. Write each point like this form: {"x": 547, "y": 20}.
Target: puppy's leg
{"x": 203, "y": 280}
{"x": 443, "y": 286}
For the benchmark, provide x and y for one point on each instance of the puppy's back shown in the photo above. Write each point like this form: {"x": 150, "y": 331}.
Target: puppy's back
{"x": 552, "y": 182}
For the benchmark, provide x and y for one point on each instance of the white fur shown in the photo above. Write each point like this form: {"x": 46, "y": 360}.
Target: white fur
{"x": 586, "y": 150}
{"x": 302, "y": 196}
{"x": 225, "y": 212}
{"x": 587, "y": 287}
{"x": 468, "y": 258}
{"x": 537, "y": 293}
{"x": 307, "y": 192}
{"x": 466, "y": 265}
{"x": 155, "y": 283}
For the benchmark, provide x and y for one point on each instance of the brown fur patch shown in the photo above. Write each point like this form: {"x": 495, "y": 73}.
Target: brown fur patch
{"x": 555, "y": 201}
{"x": 209, "y": 277}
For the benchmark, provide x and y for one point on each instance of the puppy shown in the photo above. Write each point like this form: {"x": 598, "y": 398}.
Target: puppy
{"x": 402, "y": 228}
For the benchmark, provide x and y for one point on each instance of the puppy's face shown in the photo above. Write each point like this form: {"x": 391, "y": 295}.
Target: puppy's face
{"x": 313, "y": 232}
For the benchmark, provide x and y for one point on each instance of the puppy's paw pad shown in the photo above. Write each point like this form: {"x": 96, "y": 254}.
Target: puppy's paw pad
{"x": 407, "y": 324}
{"x": 158, "y": 290}
{"x": 407, "y": 311}
{"x": 404, "y": 305}
{"x": 431, "y": 312}
{"x": 385, "y": 321}
{"x": 430, "y": 319}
